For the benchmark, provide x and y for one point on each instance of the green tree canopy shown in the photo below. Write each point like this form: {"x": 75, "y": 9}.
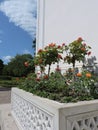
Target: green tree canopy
{"x": 34, "y": 45}
{"x": 16, "y": 66}
{"x": 1, "y": 66}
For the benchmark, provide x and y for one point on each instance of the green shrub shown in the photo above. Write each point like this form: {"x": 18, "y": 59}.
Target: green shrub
{"x": 5, "y": 77}
{"x": 8, "y": 83}
{"x": 13, "y": 82}
{"x": 61, "y": 88}
{"x": 73, "y": 86}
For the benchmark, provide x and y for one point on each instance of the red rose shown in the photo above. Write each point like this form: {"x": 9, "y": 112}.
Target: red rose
{"x": 46, "y": 77}
{"x": 84, "y": 44}
{"x": 59, "y": 56}
{"x": 37, "y": 79}
{"x": 89, "y": 53}
{"x": 80, "y": 39}
{"x": 40, "y": 50}
{"x": 59, "y": 46}
{"x": 63, "y": 44}
{"x": 58, "y": 69}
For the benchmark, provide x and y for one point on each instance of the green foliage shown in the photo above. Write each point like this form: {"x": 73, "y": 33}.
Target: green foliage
{"x": 34, "y": 45}
{"x": 61, "y": 88}
{"x": 16, "y": 66}
{"x": 49, "y": 55}
{"x": 9, "y": 81}
{"x": 1, "y": 66}
{"x": 73, "y": 86}
{"x": 77, "y": 50}
{"x": 82, "y": 87}
{"x": 5, "y": 77}
{"x": 45, "y": 87}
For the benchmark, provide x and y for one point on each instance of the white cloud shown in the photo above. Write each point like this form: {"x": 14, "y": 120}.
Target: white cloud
{"x": 22, "y": 13}
{"x": 6, "y": 59}
{"x": 26, "y": 52}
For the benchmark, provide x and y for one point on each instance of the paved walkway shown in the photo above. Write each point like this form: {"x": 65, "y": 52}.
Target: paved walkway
{"x": 5, "y": 96}
{"x": 6, "y": 120}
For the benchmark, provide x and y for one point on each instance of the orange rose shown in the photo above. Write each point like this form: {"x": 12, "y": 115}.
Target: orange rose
{"x": 79, "y": 74}
{"x": 17, "y": 78}
{"x": 52, "y": 45}
{"x": 83, "y": 49}
{"x": 88, "y": 75}
{"x": 46, "y": 77}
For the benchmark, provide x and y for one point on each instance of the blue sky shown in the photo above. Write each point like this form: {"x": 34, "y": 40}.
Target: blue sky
{"x": 17, "y": 27}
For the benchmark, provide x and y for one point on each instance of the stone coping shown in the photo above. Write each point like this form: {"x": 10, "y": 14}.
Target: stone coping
{"x": 76, "y": 108}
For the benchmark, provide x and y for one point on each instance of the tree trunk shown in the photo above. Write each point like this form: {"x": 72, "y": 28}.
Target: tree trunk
{"x": 48, "y": 70}
{"x": 73, "y": 77}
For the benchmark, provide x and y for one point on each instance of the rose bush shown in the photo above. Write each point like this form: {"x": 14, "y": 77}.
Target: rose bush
{"x": 58, "y": 86}
{"x": 76, "y": 51}
{"x": 51, "y": 54}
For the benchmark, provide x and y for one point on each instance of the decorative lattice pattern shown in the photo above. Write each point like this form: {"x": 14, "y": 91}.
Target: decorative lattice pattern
{"x": 87, "y": 123}
{"x": 29, "y": 116}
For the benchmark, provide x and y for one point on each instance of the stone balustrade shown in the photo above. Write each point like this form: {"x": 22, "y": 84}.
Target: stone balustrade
{"x": 35, "y": 113}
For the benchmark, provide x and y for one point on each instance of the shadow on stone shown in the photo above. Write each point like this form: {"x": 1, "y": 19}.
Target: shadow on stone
{"x": 5, "y": 89}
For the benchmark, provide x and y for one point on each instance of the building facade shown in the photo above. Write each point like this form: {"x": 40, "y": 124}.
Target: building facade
{"x": 63, "y": 21}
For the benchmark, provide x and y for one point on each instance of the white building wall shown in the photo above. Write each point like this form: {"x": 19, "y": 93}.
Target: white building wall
{"x": 62, "y": 21}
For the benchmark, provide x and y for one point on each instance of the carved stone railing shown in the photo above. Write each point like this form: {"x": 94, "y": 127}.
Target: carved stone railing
{"x": 88, "y": 121}
{"x": 34, "y": 113}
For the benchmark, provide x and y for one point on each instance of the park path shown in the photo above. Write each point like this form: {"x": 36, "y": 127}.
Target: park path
{"x": 5, "y": 96}
{"x": 7, "y": 121}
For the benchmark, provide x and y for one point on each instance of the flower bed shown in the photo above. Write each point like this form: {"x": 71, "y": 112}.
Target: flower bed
{"x": 37, "y": 113}
{"x": 73, "y": 85}
{"x": 60, "y": 88}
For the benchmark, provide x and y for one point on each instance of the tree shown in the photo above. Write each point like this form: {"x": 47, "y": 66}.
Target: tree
{"x": 16, "y": 66}
{"x": 1, "y": 66}
{"x": 77, "y": 50}
{"x": 5, "y": 70}
{"x": 34, "y": 45}
{"x": 48, "y": 56}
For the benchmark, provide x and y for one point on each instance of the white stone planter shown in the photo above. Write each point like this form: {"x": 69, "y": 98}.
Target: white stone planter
{"x": 35, "y": 113}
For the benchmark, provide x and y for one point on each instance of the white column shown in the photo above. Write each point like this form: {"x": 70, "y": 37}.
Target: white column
{"x": 40, "y": 24}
